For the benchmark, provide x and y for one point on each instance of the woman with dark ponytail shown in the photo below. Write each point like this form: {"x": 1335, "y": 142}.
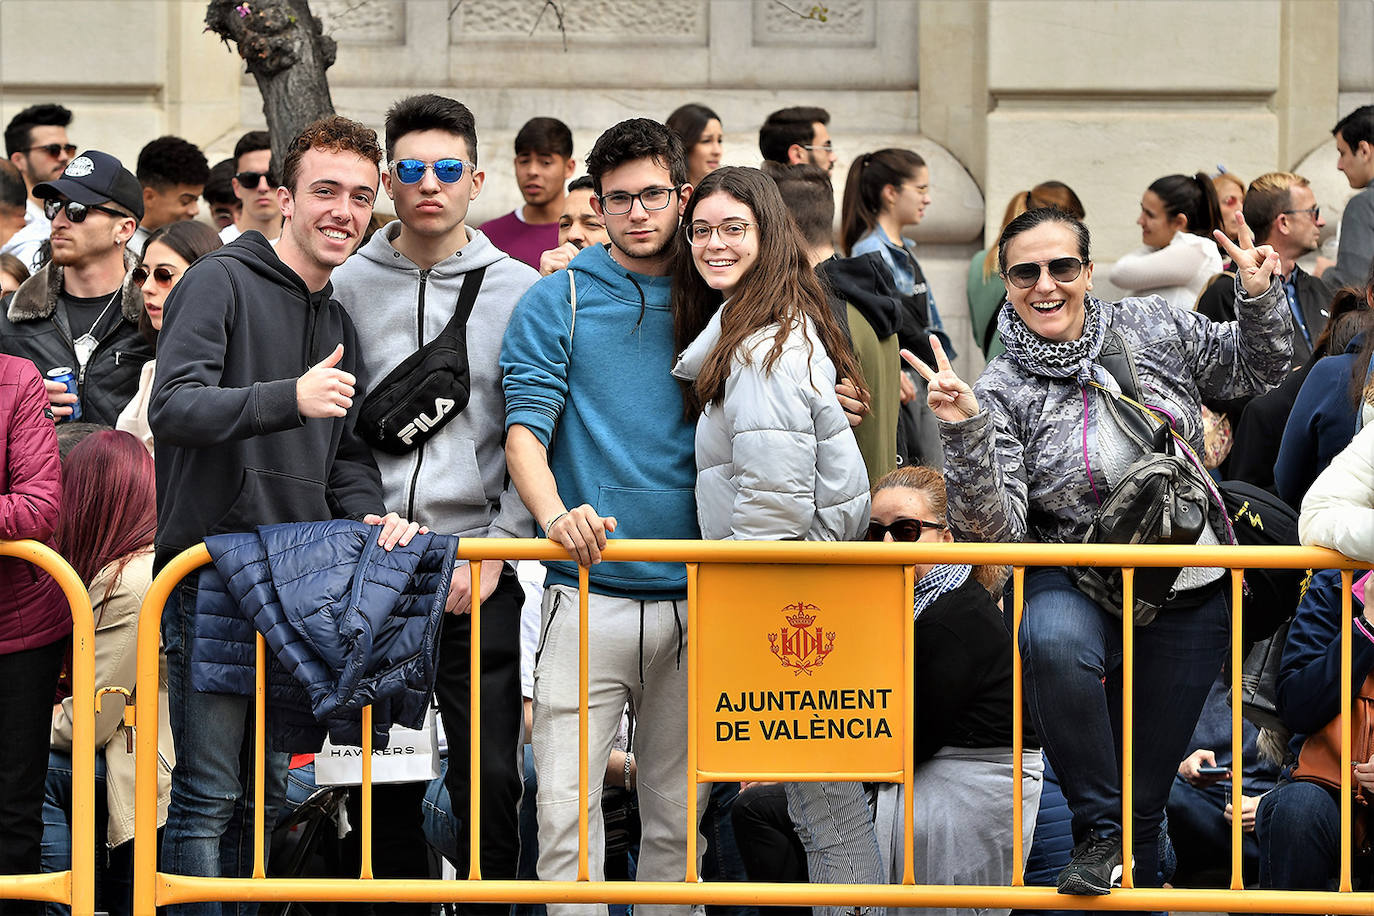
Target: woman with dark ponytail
{"x": 1178, "y": 214}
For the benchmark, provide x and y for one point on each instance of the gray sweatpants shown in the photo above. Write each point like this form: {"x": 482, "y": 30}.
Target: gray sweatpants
{"x": 637, "y": 651}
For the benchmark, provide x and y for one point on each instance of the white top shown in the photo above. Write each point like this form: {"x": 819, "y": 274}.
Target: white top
{"x": 229, "y": 233}
{"x": 1176, "y": 273}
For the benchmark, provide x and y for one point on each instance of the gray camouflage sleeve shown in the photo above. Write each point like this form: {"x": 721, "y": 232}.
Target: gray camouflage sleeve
{"x": 985, "y": 477}
{"x": 1247, "y": 356}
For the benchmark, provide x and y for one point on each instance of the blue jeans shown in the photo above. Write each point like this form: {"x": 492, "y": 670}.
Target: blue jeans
{"x": 213, "y": 736}
{"x": 114, "y": 876}
{"x": 1202, "y": 837}
{"x": 1298, "y": 826}
{"x": 1072, "y": 653}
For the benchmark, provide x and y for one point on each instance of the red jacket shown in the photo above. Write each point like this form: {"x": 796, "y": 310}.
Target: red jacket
{"x": 33, "y": 610}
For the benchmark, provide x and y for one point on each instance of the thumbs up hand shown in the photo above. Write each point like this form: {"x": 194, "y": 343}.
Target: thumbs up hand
{"x": 325, "y": 391}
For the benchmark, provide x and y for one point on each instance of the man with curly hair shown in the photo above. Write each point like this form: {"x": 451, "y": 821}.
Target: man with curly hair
{"x": 172, "y": 172}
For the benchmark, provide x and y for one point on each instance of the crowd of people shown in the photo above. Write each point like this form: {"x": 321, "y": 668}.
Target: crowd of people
{"x": 742, "y": 372}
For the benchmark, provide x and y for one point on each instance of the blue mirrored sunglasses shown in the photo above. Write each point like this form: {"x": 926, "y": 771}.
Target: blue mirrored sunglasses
{"x": 410, "y": 171}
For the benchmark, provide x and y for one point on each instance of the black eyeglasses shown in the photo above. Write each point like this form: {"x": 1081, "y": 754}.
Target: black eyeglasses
{"x": 902, "y": 529}
{"x": 618, "y": 203}
{"x": 54, "y": 149}
{"x": 162, "y": 276}
{"x": 76, "y": 212}
{"x": 251, "y": 179}
{"x": 1315, "y": 211}
{"x": 1027, "y": 274}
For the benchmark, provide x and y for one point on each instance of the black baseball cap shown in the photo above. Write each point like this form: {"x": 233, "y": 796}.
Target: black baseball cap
{"x": 94, "y": 178}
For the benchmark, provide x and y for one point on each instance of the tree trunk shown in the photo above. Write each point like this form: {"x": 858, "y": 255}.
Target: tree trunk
{"x": 287, "y": 52}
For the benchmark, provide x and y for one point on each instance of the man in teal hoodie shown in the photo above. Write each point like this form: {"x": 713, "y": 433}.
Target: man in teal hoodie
{"x": 620, "y": 465}
{"x": 401, "y": 289}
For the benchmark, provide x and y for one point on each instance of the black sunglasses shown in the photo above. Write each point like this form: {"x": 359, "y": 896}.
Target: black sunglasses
{"x": 76, "y": 212}
{"x": 251, "y": 179}
{"x": 902, "y": 529}
{"x": 163, "y": 276}
{"x": 1027, "y": 274}
{"x": 55, "y": 149}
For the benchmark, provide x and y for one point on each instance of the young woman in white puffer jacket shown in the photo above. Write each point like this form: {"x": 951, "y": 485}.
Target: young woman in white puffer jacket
{"x": 776, "y": 459}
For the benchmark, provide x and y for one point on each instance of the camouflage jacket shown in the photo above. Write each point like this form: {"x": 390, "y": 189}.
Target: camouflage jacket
{"x": 1018, "y": 470}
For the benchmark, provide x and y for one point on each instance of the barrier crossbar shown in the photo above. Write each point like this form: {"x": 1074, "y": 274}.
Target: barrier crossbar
{"x": 74, "y": 887}
{"x": 153, "y": 888}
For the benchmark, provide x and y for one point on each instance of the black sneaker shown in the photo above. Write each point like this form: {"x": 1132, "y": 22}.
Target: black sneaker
{"x": 1094, "y": 869}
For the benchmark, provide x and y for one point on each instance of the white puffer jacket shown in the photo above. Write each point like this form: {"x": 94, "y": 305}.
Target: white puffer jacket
{"x": 776, "y": 459}
{"x": 1338, "y": 510}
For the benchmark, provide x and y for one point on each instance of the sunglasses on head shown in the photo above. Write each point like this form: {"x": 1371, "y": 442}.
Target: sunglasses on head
{"x": 76, "y": 212}
{"x": 55, "y": 149}
{"x": 412, "y": 171}
{"x": 251, "y": 179}
{"x": 902, "y": 529}
{"x": 162, "y": 276}
{"x": 1027, "y": 274}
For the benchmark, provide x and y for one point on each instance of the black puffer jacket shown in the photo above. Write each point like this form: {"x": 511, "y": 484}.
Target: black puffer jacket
{"x": 28, "y": 328}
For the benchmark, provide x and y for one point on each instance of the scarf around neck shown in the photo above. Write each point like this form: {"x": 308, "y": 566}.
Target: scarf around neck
{"x": 943, "y": 578}
{"x": 1076, "y": 359}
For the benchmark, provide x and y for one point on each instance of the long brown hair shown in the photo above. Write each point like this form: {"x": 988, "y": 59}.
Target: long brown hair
{"x": 931, "y": 483}
{"x": 779, "y": 289}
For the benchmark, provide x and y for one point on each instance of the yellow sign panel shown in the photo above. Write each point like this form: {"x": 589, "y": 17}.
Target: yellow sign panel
{"x": 801, "y": 669}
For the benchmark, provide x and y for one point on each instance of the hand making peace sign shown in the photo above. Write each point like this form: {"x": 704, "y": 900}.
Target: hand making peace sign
{"x": 1254, "y": 264}
{"x": 948, "y": 396}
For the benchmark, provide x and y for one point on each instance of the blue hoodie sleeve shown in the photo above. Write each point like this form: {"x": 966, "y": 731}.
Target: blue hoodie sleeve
{"x": 1309, "y": 675}
{"x": 535, "y": 356}
{"x": 189, "y": 407}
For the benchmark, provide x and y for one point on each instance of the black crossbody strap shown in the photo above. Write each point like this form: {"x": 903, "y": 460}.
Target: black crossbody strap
{"x": 467, "y": 298}
{"x": 1115, "y": 357}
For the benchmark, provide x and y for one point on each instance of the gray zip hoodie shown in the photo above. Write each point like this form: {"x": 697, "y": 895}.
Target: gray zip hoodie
{"x": 457, "y": 482}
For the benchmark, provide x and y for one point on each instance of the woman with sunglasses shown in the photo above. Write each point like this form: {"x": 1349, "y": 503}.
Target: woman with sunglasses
{"x": 1032, "y": 451}
{"x": 962, "y": 723}
{"x": 169, "y": 251}
{"x": 1178, "y": 216}
{"x": 776, "y": 459}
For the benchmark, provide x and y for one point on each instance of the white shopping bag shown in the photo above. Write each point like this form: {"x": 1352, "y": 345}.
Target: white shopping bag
{"x": 412, "y": 755}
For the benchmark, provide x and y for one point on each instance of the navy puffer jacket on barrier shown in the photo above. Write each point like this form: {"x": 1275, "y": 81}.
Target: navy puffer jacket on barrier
{"x": 346, "y": 623}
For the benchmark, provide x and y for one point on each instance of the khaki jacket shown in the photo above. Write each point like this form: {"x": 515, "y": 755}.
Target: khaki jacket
{"x": 116, "y": 665}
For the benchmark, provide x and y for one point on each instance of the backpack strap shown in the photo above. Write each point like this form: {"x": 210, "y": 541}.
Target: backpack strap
{"x": 467, "y": 298}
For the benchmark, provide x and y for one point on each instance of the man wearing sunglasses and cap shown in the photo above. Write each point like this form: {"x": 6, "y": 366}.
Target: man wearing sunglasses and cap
{"x": 401, "y": 289}
{"x": 80, "y": 311}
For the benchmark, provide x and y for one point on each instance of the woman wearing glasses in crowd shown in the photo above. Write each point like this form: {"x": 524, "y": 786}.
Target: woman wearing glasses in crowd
{"x": 962, "y": 723}
{"x": 169, "y": 251}
{"x": 1030, "y": 454}
{"x": 1178, "y": 216}
{"x": 776, "y": 459}
{"x": 703, "y": 139}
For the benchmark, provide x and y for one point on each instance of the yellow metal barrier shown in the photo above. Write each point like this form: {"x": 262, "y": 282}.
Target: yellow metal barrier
{"x": 75, "y": 887}
{"x": 153, "y": 888}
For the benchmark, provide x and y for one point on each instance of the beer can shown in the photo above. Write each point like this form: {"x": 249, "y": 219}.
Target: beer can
{"x": 66, "y": 376}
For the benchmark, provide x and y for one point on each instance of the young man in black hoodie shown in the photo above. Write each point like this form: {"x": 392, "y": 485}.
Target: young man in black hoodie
{"x": 253, "y": 414}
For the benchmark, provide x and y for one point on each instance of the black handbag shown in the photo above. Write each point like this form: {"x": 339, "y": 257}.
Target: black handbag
{"x": 1161, "y": 499}
{"x": 429, "y": 388}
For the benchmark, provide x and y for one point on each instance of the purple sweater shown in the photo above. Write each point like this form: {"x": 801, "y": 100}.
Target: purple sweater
{"x": 521, "y": 240}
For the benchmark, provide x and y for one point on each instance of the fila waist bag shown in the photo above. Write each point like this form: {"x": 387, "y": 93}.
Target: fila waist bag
{"x": 430, "y": 387}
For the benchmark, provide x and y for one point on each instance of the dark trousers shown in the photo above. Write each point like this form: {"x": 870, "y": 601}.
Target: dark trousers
{"x": 28, "y": 684}
{"x": 502, "y": 724}
{"x": 1202, "y": 838}
{"x": 767, "y": 841}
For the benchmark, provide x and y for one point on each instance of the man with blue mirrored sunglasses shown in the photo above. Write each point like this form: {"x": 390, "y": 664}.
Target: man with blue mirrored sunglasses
{"x": 401, "y": 289}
